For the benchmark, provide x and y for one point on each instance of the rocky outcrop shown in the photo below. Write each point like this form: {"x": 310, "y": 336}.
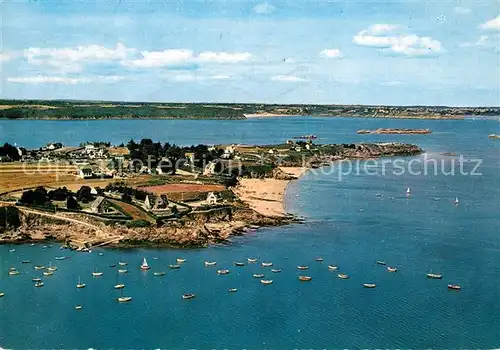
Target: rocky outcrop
{"x": 395, "y": 131}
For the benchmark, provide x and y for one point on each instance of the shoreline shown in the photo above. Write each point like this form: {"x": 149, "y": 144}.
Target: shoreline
{"x": 267, "y": 196}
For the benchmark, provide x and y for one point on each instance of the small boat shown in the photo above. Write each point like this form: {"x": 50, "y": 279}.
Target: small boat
{"x": 13, "y": 272}
{"x": 332, "y": 267}
{"x": 434, "y": 276}
{"x": 408, "y": 192}
{"x": 12, "y": 269}
{"x": 78, "y": 307}
{"x": 305, "y": 278}
{"x": 391, "y": 269}
{"x": 302, "y": 267}
{"x": 112, "y": 265}
{"x": 51, "y": 268}
{"x": 25, "y": 262}
{"x": 232, "y": 290}
{"x": 32, "y": 244}
{"x": 122, "y": 263}
{"x": 222, "y": 272}
{"x": 210, "y": 263}
{"x": 144, "y": 265}
{"x": 188, "y": 296}
{"x": 180, "y": 260}
{"x": 122, "y": 270}
{"x": 101, "y": 254}
{"x": 454, "y": 287}
{"x": 381, "y": 262}
{"x": 2, "y": 294}
{"x": 258, "y": 275}
{"x": 266, "y": 281}
{"x": 39, "y": 284}
{"x": 80, "y": 284}
{"x": 97, "y": 274}
{"x": 267, "y": 264}
{"x": 36, "y": 279}
{"x": 276, "y": 270}
{"x": 369, "y": 285}
{"x": 343, "y": 276}
{"x": 174, "y": 266}
{"x": 239, "y": 263}
{"x": 250, "y": 260}
{"x": 319, "y": 259}
{"x": 158, "y": 273}
{"x": 119, "y": 286}
{"x": 12, "y": 250}
{"x": 456, "y": 201}
{"x": 60, "y": 257}
{"x": 39, "y": 267}
{"x": 124, "y": 299}
{"x": 48, "y": 273}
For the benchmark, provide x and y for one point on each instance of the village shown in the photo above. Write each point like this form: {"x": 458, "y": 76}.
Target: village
{"x": 154, "y": 186}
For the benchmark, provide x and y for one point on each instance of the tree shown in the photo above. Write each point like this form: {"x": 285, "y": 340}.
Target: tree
{"x": 173, "y": 154}
{"x": 126, "y": 198}
{"x": 83, "y": 195}
{"x": 71, "y": 203}
{"x": 59, "y": 194}
{"x": 9, "y": 217}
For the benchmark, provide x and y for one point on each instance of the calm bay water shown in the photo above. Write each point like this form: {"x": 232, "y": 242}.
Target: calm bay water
{"x": 346, "y": 223}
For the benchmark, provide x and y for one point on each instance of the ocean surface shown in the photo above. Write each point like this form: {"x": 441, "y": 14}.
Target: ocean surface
{"x": 352, "y": 220}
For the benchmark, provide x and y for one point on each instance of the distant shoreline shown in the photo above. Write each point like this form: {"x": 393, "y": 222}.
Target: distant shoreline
{"x": 88, "y": 110}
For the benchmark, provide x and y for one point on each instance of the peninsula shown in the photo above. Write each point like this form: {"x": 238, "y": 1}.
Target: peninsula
{"x": 65, "y": 109}
{"x": 98, "y": 194}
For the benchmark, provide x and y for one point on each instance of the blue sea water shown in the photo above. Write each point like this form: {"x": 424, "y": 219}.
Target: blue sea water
{"x": 346, "y": 223}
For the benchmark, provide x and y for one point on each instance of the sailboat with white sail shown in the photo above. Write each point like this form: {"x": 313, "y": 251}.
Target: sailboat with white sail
{"x": 144, "y": 265}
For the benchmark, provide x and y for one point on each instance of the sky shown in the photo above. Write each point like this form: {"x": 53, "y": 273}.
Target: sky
{"x": 325, "y": 52}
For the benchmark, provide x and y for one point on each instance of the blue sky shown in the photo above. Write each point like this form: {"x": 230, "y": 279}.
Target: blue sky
{"x": 329, "y": 52}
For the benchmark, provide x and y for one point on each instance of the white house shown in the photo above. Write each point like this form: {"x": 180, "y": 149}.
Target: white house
{"x": 85, "y": 173}
{"x": 212, "y": 198}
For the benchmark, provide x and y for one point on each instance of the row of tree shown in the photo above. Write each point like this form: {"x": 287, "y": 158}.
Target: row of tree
{"x": 149, "y": 152}
{"x": 12, "y": 152}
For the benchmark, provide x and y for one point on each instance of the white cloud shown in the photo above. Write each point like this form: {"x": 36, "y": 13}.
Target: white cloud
{"x": 188, "y": 77}
{"x": 224, "y": 57}
{"x": 331, "y": 53}
{"x": 163, "y": 58}
{"x": 220, "y": 77}
{"x": 459, "y": 10}
{"x": 492, "y": 24}
{"x": 264, "y": 8}
{"x": 287, "y": 78}
{"x": 160, "y": 58}
{"x": 78, "y": 54}
{"x": 383, "y": 36}
{"x": 40, "y": 79}
{"x": 392, "y": 83}
{"x": 484, "y": 42}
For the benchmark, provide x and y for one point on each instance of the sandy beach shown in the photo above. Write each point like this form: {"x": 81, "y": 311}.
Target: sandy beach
{"x": 266, "y": 196}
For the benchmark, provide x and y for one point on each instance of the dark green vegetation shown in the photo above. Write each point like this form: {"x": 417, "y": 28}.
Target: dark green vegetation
{"x": 60, "y": 109}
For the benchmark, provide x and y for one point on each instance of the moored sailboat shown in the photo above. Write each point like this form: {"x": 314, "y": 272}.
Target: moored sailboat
{"x": 80, "y": 284}
{"x": 369, "y": 285}
{"x": 210, "y": 263}
{"x": 305, "y": 278}
{"x": 144, "y": 265}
